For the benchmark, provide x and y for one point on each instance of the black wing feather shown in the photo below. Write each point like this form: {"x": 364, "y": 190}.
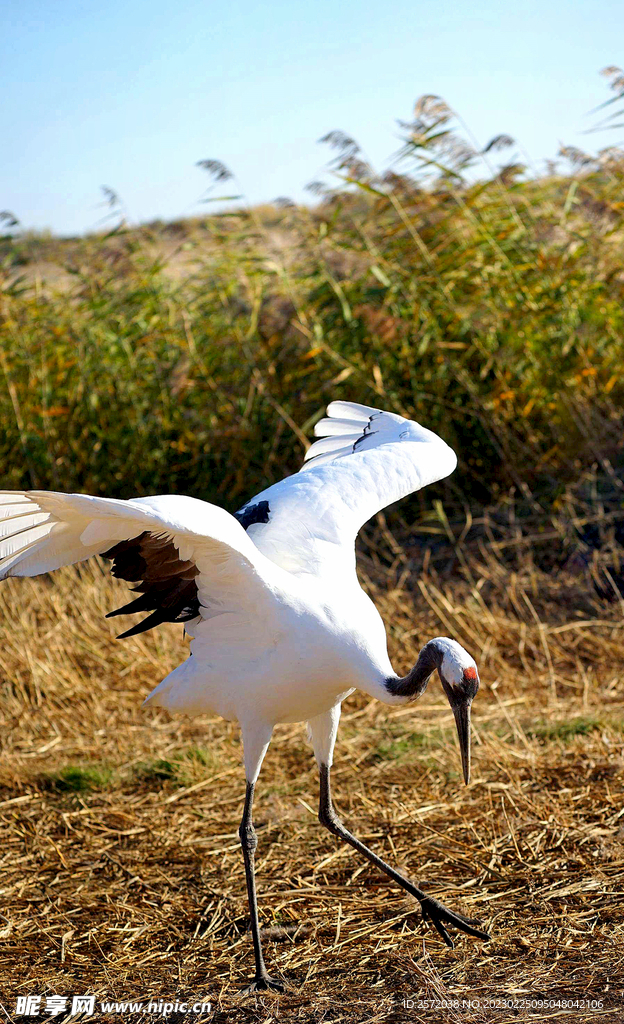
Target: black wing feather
{"x": 167, "y": 584}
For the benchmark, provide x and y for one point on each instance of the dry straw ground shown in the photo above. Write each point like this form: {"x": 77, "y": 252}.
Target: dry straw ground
{"x": 121, "y": 872}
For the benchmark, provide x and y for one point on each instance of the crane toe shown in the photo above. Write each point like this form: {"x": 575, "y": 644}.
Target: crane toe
{"x": 264, "y": 983}
{"x": 439, "y": 915}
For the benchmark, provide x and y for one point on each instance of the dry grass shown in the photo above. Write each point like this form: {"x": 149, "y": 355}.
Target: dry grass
{"x": 121, "y": 870}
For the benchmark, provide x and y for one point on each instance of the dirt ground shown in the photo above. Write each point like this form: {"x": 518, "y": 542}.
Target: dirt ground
{"x": 121, "y": 871}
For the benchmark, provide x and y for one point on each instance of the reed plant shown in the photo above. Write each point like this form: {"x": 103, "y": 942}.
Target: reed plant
{"x": 459, "y": 287}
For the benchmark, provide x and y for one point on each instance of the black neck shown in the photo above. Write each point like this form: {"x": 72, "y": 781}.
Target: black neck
{"x": 414, "y": 684}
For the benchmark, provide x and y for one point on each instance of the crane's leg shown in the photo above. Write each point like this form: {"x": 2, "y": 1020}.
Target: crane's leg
{"x": 256, "y": 739}
{"x": 323, "y": 734}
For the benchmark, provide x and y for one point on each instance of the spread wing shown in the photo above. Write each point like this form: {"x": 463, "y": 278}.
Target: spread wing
{"x": 190, "y": 559}
{"x": 366, "y": 460}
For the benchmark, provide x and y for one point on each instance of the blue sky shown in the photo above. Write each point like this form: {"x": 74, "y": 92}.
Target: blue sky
{"x": 132, "y": 94}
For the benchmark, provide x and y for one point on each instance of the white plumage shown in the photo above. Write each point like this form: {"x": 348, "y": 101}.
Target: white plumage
{"x": 281, "y": 630}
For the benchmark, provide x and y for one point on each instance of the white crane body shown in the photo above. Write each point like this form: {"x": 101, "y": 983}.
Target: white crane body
{"x": 298, "y": 662}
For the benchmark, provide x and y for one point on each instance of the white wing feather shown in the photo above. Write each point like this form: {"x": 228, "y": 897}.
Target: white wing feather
{"x": 43, "y": 530}
{"x": 367, "y": 459}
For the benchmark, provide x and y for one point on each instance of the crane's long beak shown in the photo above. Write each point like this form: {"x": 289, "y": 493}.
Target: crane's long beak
{"x": 462, "y": 721}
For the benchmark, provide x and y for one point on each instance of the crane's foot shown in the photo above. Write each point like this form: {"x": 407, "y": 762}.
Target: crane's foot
{"x": 263, "y": 983}
{"x": 439, "y": 915}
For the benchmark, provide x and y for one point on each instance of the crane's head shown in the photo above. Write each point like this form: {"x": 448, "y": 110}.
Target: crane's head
{"x": 460, "y": 681}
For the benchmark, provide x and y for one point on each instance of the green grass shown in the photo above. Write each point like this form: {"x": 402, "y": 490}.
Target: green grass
{"x": 81, "y": 778}
{"x": 565, "y": 730}
{"x": 409, "y": 744}
{"x": 183, "y": 768}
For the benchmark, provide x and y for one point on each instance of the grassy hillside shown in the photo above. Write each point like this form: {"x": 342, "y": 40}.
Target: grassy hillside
{"x": 196, "y": 355}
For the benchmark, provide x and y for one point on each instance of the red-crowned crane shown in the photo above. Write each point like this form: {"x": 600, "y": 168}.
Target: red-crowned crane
{"x": 281, "y": 629}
